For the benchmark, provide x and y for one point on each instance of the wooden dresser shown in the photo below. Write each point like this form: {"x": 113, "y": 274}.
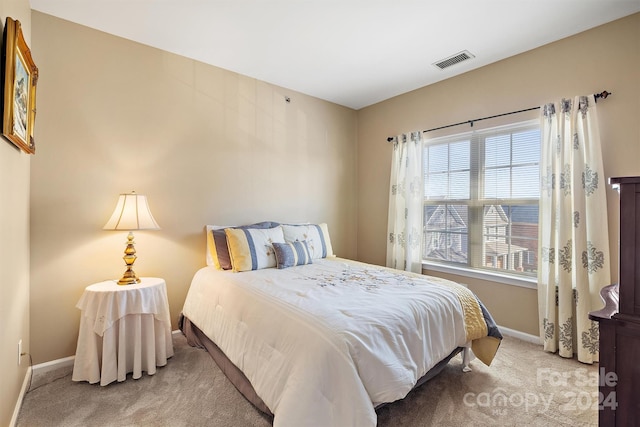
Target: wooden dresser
{"x": 620, "y": 323}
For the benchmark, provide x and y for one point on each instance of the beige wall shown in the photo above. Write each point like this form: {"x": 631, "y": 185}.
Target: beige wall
{"x": 206, "y": 146}
{"x": 14, "y": 248}
{"x": 209, "y": 146}
{"x": 607, "y": 57}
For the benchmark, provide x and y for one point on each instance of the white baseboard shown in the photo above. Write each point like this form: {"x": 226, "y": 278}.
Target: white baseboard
{"x": 43, "y": 368}
{"x": 520, "y": 335}
{"x": 23, "y": 391}
{"x": 35, "y": 373}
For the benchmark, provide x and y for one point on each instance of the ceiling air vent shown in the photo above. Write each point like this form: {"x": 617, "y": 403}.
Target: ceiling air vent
{"x": 455, "y": 59}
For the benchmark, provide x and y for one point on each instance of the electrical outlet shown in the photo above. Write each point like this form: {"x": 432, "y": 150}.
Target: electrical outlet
{"x": 19, "y": 351}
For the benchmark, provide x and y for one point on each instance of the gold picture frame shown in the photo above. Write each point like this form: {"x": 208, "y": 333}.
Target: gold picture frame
{"x": 20, "y": 79}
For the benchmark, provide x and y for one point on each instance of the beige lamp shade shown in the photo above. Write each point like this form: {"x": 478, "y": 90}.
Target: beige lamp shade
{"x": 132, "y": 213}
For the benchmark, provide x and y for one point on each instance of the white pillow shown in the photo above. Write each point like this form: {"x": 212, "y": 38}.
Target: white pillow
{"x": 316, "y": 236}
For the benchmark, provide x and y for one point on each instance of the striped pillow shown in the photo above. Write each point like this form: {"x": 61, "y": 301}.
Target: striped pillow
{"x": 292, "y": 254}
{"x": 251, "y": 249}
{"x": 217, "y": 247}
{"x": 316, "y": 235}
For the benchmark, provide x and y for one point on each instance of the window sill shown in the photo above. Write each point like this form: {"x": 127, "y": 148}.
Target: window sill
{"x": 524, "y": 282}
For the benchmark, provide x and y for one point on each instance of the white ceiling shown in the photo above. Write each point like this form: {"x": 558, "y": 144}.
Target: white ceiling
{"x": 351, "y": 52}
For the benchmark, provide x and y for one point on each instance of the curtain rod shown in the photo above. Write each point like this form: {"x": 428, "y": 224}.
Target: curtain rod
{"x": 603, "y": 95}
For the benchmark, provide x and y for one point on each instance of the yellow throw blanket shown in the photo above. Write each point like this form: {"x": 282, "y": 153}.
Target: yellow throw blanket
{"x": 483, "y": 346}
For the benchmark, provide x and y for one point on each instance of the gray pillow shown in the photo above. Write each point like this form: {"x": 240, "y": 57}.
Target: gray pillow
{"x": 291, "y": 254}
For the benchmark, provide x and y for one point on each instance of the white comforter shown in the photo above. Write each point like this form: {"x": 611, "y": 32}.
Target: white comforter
{"x": 323, "y": 343}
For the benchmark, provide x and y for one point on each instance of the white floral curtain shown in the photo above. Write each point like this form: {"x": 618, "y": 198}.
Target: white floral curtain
{"x": 573, "y": 237}
{"x": 404, "y": 244}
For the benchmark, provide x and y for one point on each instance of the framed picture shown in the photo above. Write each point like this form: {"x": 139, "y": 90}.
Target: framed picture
{"x": 20, "y": 78}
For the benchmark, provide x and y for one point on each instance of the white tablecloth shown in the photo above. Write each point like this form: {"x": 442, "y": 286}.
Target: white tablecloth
{"x": 123, "y": 329}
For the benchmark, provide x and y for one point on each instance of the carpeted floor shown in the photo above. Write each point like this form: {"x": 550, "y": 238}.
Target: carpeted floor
{"x": 523, "y": 386}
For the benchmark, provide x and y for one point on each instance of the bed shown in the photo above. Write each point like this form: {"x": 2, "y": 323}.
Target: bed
{"x": 319, "y": 340}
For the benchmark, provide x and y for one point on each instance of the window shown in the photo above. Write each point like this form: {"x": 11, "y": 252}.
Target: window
{"x": 481, "y": 199}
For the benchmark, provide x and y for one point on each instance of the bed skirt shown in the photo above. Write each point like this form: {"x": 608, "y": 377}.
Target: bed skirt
{"x": 196, "y": 338}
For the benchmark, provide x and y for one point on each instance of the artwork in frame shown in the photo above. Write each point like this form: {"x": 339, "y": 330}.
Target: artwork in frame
{"x": 20, "y": 79}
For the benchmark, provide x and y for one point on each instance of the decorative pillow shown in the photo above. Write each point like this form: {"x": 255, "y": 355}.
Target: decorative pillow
{"x": 212, "y": 250}
{"x": 316, "y": 236}
{"x": 252, "y": 248}
{"x": 217, "y": 249}
{"x": 291, "y": 254}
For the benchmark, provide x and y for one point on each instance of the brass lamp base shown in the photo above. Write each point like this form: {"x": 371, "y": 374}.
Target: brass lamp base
{"x": 130, "y": 277}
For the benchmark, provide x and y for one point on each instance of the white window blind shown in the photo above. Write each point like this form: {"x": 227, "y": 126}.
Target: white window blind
{"x": 481, "y": 199}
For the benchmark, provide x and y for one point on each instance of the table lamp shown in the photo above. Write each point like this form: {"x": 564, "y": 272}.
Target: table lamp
{"x": 131, "y": 213}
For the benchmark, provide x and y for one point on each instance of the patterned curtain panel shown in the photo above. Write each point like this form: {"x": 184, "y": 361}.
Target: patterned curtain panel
{"x": 573, "y": 237}
{"x": 406, "y": 194}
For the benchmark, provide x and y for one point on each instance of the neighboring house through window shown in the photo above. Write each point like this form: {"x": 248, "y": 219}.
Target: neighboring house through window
{"x": 481, "y": 199}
